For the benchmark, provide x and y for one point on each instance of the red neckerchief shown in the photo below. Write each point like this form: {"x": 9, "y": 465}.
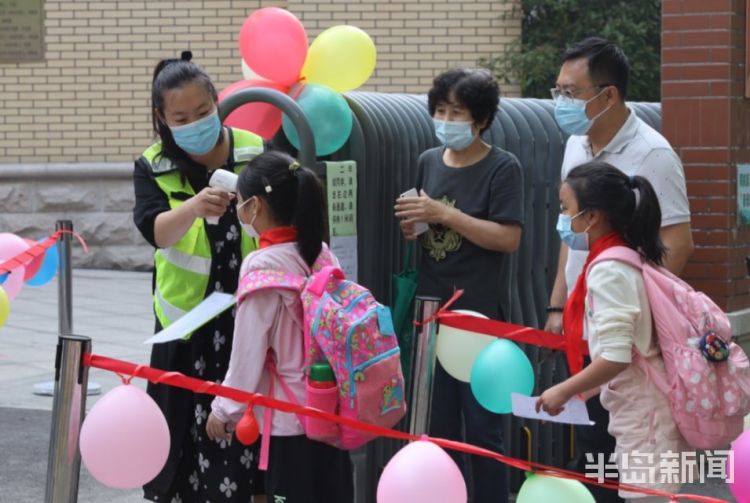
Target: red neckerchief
{"x": 278, "y": 235}
{"x": 575, "y": 307}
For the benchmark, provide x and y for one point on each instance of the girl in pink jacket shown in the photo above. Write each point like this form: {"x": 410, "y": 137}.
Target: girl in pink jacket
{"x": 282, "y": 204}
{"x": 601, "y": 207}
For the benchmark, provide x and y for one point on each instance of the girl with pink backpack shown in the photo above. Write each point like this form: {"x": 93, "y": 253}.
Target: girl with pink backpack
{"x": 282, "y": 204}
{"x": 603, "y": 210}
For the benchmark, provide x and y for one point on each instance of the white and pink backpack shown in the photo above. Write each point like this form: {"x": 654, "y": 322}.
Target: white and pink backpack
{"x": 347, "y": 328}
{"x": 707, "y": 379}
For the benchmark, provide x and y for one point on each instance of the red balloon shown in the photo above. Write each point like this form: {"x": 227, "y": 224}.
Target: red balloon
{"x": 32, "y": 267}
{"x": 273, "y": 43}
{"x": 260, "y": 118}
{"x": 247, "y": 431}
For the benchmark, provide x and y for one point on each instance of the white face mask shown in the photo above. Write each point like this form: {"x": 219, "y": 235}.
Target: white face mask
{"x": 248, "y": 228}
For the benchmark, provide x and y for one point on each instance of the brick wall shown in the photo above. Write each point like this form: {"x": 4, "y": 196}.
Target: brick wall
{"x": 705, "y": 117}
{"x": 418, "y": 39}
{"x": 89, "y": 100}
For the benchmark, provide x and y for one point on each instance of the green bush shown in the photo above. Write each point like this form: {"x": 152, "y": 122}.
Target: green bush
{"x": 549, "y": 26}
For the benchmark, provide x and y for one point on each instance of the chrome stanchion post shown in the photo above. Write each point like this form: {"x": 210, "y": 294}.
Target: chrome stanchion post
{"x": 68, "y": 409}
{"x": 422, "y": 364}
{"x": 64, "y": 299}
{"x": 65, "y": 278}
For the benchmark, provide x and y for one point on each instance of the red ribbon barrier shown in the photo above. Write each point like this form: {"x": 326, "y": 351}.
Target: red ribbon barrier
{"x": 524, "y": 335}
{"x": 199, "y": 386}
{"x": 23, "y": 258}
{"x": 503, "y": 330}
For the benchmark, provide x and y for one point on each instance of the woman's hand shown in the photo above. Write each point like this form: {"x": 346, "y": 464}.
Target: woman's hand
{"x": 408, "y": 229}
{"x": 216, "y": 429}
{"x": 553, "y": 399}
{"x": 420, "y": 209}
{"x": 210, "y": 202}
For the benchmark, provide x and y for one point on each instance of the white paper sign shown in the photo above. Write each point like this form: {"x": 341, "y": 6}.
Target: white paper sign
{"x": 210, "y": 308}
{"x": 574, "y": 412}
{"x": 345, "y": 249}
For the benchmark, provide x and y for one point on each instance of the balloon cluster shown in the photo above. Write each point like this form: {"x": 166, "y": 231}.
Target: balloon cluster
{"x": 36, "y": 273}
{"x": 275, "y": 55}
{"x": 495, "y": 368}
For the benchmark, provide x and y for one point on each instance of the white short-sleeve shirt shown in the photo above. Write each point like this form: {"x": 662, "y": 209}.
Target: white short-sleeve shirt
{"x": 636, "y": 149}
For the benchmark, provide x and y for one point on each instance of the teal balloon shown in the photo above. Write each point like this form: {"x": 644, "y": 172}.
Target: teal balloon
{"x": 328, "y": 115}
{"x": 48, "y": 269}
{"x": 538, "y": 488}
{"x": 500, "y": 369}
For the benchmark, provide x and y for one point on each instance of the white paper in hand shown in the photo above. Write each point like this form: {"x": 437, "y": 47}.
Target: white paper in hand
{"x": 575, "y": 410}
{"x": 210, "y": 308}
{"x": 419, "y": 227}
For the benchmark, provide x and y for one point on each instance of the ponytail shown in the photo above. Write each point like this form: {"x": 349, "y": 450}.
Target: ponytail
{"x": 643, "y": 229}
{"x": 629, "y": 204}
{"x": 309, "y": 215}
{"x": 294, "y": 195}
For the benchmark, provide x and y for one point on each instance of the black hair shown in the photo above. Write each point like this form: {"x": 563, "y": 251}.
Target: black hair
{"x": 170, "y": 74}
{"x": 296, "y": 197}
{"x": 474, "y": 89}
{"x": 608, "y": 64}
{"x": 628, "y": 202}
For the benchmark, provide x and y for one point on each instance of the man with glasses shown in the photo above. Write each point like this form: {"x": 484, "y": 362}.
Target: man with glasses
{"x": 590, "y": 107}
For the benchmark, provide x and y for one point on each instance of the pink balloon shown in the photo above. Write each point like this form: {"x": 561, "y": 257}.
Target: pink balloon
{"x": 740, "y": 487}
{"x": 125, "y": 438}
{"x": 260, "y": 118}
{"x": 10, "y": 246}
{"x": 32, "y": 267}
{"x": 273, "y": 43}
{"x": 421, "y": 471}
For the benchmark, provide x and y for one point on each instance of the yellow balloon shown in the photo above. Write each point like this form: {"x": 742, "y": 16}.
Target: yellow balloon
{"x": 457, "y": 349}
{"x": 342, "y": 58}
{"x": 4, "y": 306}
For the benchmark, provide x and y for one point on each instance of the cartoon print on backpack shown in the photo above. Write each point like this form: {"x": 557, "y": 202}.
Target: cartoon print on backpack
{"x": 393, "y": 395}
{"x": 713, "y": 348}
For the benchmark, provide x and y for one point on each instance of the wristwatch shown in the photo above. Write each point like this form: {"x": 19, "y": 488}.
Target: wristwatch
{"x": 554, "y": 309}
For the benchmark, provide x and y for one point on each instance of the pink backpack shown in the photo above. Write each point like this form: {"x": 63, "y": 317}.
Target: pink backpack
{"x": 707, "y": 379}
{"x": 347, "y": 328}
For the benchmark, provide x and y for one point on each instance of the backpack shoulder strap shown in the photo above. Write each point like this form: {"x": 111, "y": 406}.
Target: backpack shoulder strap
{"x": 263, "y": 279}
{"x": 622, "y": 254}
{"x": 321, "y": 278}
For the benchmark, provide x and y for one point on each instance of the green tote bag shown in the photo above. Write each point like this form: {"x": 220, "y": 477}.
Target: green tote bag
{"x": 404, "y": 290}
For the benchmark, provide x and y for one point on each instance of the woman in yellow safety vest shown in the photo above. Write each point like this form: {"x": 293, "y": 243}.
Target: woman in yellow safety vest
{"x": 199, "y": 248}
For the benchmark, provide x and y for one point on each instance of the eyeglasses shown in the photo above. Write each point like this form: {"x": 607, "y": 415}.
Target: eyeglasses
{"x": 572, "y": 93}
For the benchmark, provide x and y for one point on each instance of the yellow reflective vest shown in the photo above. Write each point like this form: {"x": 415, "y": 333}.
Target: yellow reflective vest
{"x": 182, "y": 270}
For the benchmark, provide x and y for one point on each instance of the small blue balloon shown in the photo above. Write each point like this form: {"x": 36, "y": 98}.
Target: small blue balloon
{"x": 3, "y": 277}
{"x": 48, "y": 269}
{"x": 500, "y": 369}
{"x": 328, "y": 115}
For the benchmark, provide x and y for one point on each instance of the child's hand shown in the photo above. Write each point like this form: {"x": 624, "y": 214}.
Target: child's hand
{"x": 552, "y": 400}
{"x": 217, "y": 430}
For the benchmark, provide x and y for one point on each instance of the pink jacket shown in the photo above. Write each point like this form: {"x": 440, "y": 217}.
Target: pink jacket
{"x": 267, "y": 320}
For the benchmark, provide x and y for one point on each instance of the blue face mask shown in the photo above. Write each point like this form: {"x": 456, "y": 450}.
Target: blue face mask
{"x": 570, "y": 115}
{"x": 456, "y": 135}
{"x": 574, "y": 240}
{"x": 198, "y": 137}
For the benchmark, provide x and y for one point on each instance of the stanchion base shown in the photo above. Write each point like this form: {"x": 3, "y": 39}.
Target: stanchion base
{"x": 48, "y": 388}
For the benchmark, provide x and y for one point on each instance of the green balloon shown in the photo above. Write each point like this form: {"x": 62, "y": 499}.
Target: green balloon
{"x": 329, "y": 117}
{"x": 500, "y": 369}
{"x": 540, "y": 488}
